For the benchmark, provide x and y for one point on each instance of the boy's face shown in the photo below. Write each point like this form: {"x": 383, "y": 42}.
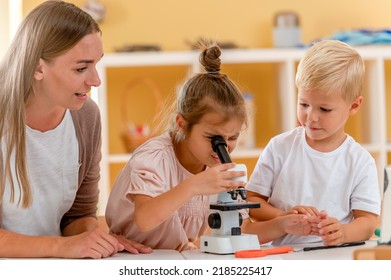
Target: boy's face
{"x": 324, "y": 116}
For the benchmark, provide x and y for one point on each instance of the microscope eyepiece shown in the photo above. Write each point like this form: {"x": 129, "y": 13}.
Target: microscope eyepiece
{"x": 220, "y": 147}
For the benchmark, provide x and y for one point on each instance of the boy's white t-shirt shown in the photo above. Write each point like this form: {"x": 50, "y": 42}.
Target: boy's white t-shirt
{"x": 53, "y": 166}
{"x": 291, "y": 173}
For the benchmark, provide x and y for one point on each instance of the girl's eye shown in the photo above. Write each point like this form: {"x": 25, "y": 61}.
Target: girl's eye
{"x": 304, "y": 105}
{"x": 325, "y": 110}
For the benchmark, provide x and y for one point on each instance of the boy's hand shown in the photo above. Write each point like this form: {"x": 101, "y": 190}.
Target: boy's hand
{"x": 331, "y": 231}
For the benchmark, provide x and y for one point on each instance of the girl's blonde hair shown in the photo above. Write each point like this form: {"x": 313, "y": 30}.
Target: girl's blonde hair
{"x": 330, "y": 66}
{"x": 48, "y": 31}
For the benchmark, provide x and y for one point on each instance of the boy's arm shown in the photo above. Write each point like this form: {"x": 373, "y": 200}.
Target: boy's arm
{"x": 266, "y": 212}
{"x": 361, "y": 228}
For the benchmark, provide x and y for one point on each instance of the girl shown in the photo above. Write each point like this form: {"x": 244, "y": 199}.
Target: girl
{"x": 161, "y": 197}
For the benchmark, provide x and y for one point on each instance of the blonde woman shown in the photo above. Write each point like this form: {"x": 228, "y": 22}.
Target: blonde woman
{"x": 50, "y": 136}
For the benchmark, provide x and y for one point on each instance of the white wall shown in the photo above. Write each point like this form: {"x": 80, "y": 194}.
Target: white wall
{"x": 10, "y": 17}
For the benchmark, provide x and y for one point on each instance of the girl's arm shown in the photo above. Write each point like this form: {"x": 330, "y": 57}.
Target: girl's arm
{"x": 152, "y": 211}
{"x": 274, "y": 228}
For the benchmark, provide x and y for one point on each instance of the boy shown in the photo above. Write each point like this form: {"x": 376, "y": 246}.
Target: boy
{"x": 317, "y": 169}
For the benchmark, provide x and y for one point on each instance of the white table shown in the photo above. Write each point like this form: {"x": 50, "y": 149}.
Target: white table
{"x": 170, "y": 260}
{"x": 345, "y": 253}
{"x": 155, "y": 255}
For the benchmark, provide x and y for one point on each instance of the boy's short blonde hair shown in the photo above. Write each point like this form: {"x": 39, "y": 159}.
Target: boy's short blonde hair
{"x": 330, "y": 66}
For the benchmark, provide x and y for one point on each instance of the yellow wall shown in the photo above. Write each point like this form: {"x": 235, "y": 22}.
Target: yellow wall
{"x": 248, "y": 23}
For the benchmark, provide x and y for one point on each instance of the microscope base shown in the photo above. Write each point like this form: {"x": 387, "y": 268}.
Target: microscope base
{"x": 228, "y": 244}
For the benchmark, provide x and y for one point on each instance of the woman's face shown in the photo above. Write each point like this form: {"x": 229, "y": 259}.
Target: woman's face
{"x": 196, "y": 150}
{"x": 65, "y": 81}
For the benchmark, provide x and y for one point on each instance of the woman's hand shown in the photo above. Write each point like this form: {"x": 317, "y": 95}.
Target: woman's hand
{"x": 93, "y": 244}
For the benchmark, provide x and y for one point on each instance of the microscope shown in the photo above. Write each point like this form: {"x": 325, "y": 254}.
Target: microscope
{"x": 225, "y": 218}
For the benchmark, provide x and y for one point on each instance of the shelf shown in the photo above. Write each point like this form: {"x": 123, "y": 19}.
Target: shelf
{"x": 371, "y": 122}
{"x": 119, "y": 158}
{"x": 239, "y": 153}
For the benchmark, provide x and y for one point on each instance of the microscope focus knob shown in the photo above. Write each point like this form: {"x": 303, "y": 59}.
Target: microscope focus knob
{"x": 214, "y": 220}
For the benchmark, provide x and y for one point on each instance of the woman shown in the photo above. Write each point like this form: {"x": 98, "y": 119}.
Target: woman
{"x": 50, "y": 137}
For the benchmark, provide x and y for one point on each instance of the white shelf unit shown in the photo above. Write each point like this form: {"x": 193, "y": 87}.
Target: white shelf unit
{"x": 374, "y": 115}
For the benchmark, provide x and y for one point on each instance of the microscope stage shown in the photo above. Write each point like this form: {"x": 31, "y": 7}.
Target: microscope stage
{"x": 234, "y": 206}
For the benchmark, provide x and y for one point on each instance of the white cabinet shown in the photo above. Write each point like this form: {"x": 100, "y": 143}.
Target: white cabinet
{"x": 370, "y": 125}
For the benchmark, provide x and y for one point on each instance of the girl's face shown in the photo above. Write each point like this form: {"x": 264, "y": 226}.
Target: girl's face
{"x": 324, "y": 117}
{"x": 65, "y": 81}
{"x": 196, "y": 152}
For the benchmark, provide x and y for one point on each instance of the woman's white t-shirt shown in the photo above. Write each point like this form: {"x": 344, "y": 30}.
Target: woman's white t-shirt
{"x": 53, "y": 166}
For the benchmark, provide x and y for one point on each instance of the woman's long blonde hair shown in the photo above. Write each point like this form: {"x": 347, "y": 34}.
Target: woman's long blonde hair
{"x": 49, "y": 30}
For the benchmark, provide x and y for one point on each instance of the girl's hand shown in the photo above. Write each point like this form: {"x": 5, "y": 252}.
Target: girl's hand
{"x": 295, "y": 224}
{"x": 131, "y": 246}
{"x": 215, "y": 180}
{"x": 190, "y": 246}
{"x": 306, "y": 210}
{"x": 315, "y": 220}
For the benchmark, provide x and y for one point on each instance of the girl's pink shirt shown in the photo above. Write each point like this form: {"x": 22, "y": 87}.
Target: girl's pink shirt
{"x": 152, "y": 170}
